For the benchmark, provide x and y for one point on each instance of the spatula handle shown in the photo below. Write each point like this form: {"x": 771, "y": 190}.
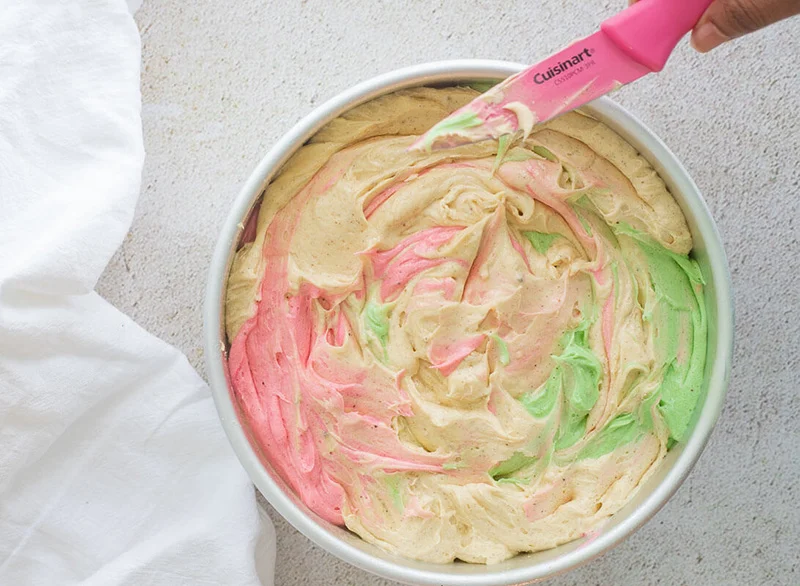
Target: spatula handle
{"x": 649, "y": 30}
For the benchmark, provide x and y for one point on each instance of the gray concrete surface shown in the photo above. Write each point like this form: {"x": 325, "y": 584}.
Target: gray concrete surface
{"x": 223, "y": 80}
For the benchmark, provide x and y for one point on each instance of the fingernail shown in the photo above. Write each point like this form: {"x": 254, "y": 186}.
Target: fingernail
{"x": 707, "y": 36}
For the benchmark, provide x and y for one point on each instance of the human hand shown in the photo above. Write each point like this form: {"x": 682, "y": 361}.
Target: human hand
{"x": 728, "y": 19}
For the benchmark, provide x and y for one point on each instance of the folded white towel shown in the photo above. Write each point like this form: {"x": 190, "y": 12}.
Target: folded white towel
{"x": 113, "y": 466}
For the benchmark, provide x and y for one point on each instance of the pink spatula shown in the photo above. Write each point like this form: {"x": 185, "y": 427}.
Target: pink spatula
{"x": 635, "y": 42}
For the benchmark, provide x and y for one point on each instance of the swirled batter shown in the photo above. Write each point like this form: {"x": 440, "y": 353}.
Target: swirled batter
{"x": 462, "y": 354}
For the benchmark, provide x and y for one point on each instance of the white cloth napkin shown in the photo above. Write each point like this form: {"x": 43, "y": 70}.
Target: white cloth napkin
{"x": 113, "y": 466}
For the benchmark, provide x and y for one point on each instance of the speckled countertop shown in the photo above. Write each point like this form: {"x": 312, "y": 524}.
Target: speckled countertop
{"x": 221, "y": 81}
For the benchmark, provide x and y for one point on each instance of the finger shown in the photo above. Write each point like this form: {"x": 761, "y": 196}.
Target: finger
{"x": 728, "y": 19}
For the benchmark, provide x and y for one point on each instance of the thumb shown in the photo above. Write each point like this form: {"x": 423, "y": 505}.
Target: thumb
{"x": 728, "y": 19}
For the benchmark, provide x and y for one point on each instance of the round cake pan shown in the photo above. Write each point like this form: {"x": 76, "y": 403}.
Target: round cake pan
{"x": 524, "y": 568}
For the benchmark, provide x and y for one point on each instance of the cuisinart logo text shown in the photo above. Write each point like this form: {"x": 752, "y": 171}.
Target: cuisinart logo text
{"x": 541, "y": 78}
